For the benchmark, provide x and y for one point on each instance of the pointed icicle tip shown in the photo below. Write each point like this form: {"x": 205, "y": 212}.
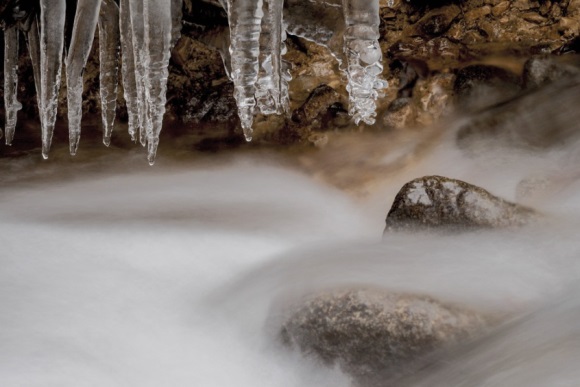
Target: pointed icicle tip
{"x": 153, "y": 143}
{"x": 151, "y": 157}
{"x": 248, "y": 132}
{"x": 74, "y": 146}
{"x": 46, "y": 149}
{"x": 107, "y": 141}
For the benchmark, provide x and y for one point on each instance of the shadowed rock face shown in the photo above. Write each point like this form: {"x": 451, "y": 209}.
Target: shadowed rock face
{"x": 376, "y": 336}
{"x": 438, "y": 202}
{"x": 540, "y": 118}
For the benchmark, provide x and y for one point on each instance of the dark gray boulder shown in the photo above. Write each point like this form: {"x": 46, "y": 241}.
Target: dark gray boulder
{"x": 436, "y": 202}
{"x": 376, "y": 336}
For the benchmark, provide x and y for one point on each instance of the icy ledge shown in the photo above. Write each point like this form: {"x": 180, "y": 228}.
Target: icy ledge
{"x": 145, "y": 31}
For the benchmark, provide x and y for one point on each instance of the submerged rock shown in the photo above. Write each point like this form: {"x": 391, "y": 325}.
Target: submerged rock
{"x": 376, "y": 336}
{"x": 439, "y": 202}
{"x": 540, "y": 71}
{"x": 539, "y": 118}
{"x": 478, "y": 86}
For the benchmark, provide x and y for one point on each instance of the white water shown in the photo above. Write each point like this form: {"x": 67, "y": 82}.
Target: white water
{"x": 169, "y": 277}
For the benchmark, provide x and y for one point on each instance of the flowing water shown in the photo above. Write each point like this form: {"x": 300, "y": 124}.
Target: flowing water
{"x": 174, "y": 275}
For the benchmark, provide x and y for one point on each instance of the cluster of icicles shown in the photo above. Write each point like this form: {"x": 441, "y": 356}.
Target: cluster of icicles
{"x": 139, "y": 35}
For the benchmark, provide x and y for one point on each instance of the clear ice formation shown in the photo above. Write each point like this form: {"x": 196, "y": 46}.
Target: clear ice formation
{"x": 83, "y": 34}
{"x": 128, "y": 70}
{"x": 137, "y": 18}
{"x": 109, "y": 37}
{"x": 33, "y": 43}
{"x": 153, "y": 27}
{"x": 157, "y": 51}
{"x": 11, "y": 104}
{"x": 245, "y": 19}
{"x": 363, "y": 56}
{"x": 350, "y": 30}
{"x": 145, "y": 31}
{"x": 52, "y": 19}
{"x": 261, "y": 77}
{"x": 274, "y": 73}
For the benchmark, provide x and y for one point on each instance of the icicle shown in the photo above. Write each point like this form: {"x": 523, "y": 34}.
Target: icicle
{"x": 272, "y": 85}
{"x": 128, "y": 68}
{"x": 139, "y": 55}
{"x": 11, "y": 81}
{"x": 52, "y": 17}
{"x": 158, "y": 36}
{"x": 364, "y": 57}
{"x": 245, "y": 17}
{"x": 83, "y": 34}
{"x": 33, "y": 42}
{"x": 109, "y": 36}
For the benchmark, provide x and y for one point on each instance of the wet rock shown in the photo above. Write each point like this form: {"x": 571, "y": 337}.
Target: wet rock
{"x": 542, "y": 70}
{"x": 436, "y": 22}
{"x": 476, "y": 14}
{"x": 500, "y": 8}
{"x": 376, "y": 336}
{"x": 537, "y": 119}
{"x": 477, "y": 86}
{"x": 317, "y": 105}
{"x": 434, "y": 96}
{"x": 400, "y": 114}
{"x": 438, "y": 53}
{"x": 436, "y": 202}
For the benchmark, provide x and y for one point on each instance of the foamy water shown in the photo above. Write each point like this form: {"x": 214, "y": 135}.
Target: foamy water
{"x": 174, "y": 276}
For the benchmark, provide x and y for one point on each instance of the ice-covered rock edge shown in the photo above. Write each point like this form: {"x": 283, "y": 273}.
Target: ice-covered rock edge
{"x": 146, "y": 31}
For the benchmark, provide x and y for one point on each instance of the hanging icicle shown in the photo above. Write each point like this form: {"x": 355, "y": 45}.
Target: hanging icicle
{"x": 11, "y": 103}
{"x": 52, "y": 18}
{"x": 128, "y": 70}
{"x": 33, "y": 43}
{"x": 158, "y": 38}
{"x": 109, "y": 37}
{"x": 137, "y": 17}
{"x": 245, "y": 18}
{"x": 272, "y": 85}
{"x": 83, "y": 34}
{"x": 364, "y": 57}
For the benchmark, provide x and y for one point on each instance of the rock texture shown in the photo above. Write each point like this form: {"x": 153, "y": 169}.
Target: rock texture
{"x": 436, "y": 202}
{"x": 376, "y": 336}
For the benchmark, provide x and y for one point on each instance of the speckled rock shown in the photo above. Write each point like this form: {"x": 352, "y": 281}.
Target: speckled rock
{"x": 376, "y": 336}
{"x": 436, "y": 202}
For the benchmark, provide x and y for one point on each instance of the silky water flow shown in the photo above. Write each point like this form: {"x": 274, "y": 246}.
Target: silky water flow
{"x": 177, "y": 275}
